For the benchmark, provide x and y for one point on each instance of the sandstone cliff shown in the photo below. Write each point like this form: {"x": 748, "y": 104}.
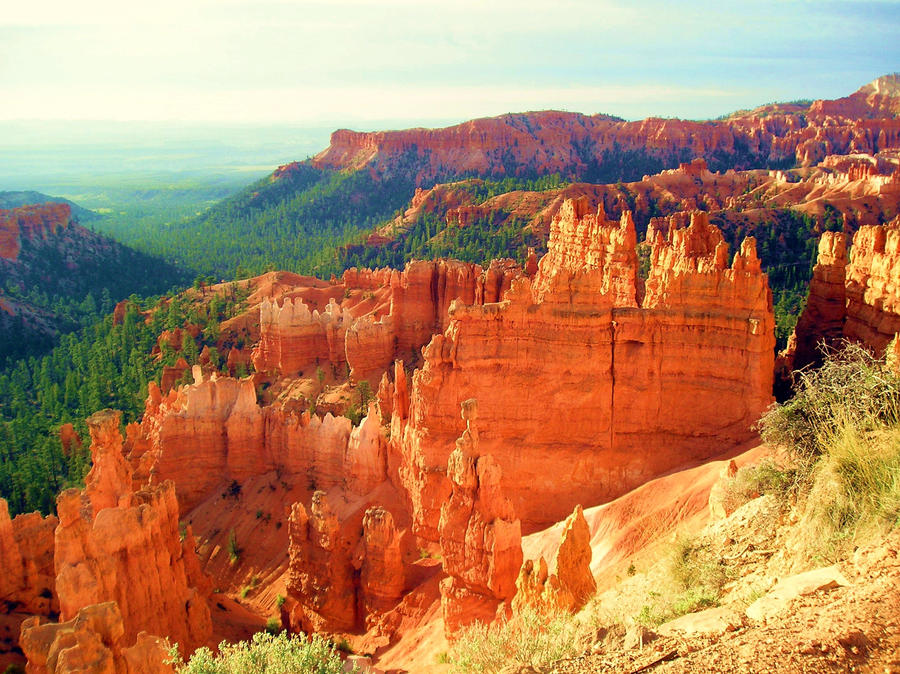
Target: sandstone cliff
{"x": 381, "y": 315}
{"x": 588, "y": 386}
{"x": 117, "y": 545}
{"x": 480, "y": 537}
{"x": 35, "y": 221}
{"x": 591, "y": 147}
{"x": 856, "y": 298}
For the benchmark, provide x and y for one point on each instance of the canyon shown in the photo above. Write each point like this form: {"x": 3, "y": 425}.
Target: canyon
{"x": 390, "y": 456}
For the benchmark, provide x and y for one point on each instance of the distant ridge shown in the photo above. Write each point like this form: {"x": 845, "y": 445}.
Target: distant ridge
{"x": 15, "y": 199}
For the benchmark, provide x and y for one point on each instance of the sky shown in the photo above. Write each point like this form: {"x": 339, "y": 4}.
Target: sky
{"x": 364, "y": 64}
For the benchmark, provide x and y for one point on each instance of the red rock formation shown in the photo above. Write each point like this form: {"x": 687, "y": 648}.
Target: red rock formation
{"x": 583, "y": 392}
{"x": 569, "y": 583}
{"x": 205, "y": 435}
{"x": 554, "y": 142}
{"x": 172, "y": 373}
{"x": 33, "y": 221}
{"x": 69, "y": 439}
{"x": 91, "y": 642}
{"x": 822, "y": 321}
{"x": 26, "y": 556}
{"x": 383, "y": 315}
{"x": 113, "y": 544}
{"x": 857, "y": 300}
{"x": 873, "y": 286}
{"x": 380, "y": 560}
{"x": 321, "y": 571}
{"x": 365, "y": 461}
{"x": 292, "y": 337}
{"x": 480, "y": 537}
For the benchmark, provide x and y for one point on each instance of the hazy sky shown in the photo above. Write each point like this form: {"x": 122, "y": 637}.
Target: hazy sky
{"x": 355, "y": 61}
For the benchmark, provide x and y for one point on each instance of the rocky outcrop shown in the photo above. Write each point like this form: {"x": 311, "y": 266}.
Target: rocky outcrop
{"x": 210, "y": 433}
{"x": 568, "y": 584}
{"x": 33, "y": 221}
{"x": 321, "y": 570}
{"x": 582, "y": 147}
{"x": 115, "y": 545}
{"x": 856, "y": 299}
{"x": 92, "y": 641}
{"x": 292, "y": 337}
{"x": 588, "y": 384}
{"x": 873, "y": 286}
{"x": 27, "y": 584}
{"x": 380, "y": 560}
{"x": 383, "y": 315}
{"x": 822, "y": 321}
{"x": 480, "y": 537}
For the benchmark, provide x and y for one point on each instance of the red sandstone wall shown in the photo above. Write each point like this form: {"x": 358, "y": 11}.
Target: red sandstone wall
{"x": 582, "y": 393}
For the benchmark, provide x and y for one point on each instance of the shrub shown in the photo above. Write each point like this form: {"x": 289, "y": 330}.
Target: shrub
{"x": 234, "y": 550}
{"x": 752, "y": 481}
{"x": 264, "y": 654}
{"x": 273, "y": 625}
{"x": 279, "y": 600}
{"x": 843, "y": 427}
{"x": 855, "y": 490}
{"x": 851, "y": 388}
{"x": 529, "y": 638}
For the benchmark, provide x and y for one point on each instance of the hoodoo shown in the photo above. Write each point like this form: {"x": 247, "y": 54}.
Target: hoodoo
{"x": 591, "y": 379}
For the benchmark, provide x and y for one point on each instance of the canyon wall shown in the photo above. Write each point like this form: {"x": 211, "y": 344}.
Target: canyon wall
{"x": 855, "y": 297}
{"x": 580, "y": 146}
{"x": 114, "y": 544}
{"x": 34, "y": 221}
{"x": 590, "y": 382}
{"x": 214, "y": 431}
{"x": 384, "y": 314}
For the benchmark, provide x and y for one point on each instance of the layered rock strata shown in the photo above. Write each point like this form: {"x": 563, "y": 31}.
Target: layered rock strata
{"x": 369, "y": 334}
{"x": 27, "y": 584}
{"x": 568, "y": 583}
{"x": 214, "y": 431}
{"x": 856, "y": 299}
{"x": 345, "y": 572}
{"x": 873, "y": 286}
{"x": 589, "y": 381}
{"x": 34, "y": 221}
{"x": 114, "y": 544}
{"x": 92, "y": 641}
{"x": 480, "y": 537}
{"x": 578, "y": 146}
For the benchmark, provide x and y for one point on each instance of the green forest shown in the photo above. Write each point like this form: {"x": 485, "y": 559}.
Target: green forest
{"x": 104, "y": 365}
{"x": 307, "y": 220}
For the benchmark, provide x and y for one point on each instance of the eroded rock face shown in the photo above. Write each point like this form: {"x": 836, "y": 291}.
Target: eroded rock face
{"x": 92, "y": 641}
{"x": 569, "y": 583}
{"x": 589, "y": 382}
{"x": 384, "y": 314}
{"x": 856, "y": 299}
{"x": 214, "y": 431}
{"x": 382, "y": 575}
{"x": 27, "y": 584}
{"x": 480, "y": 537}
{"x": 873, "y": 286}
{"x": 321, "y": 570}
{"x": 115, "y": 545}
{"x": 548, "y": 142}
{"x": 33, "y": 221}
{"x": 826, "y": 308}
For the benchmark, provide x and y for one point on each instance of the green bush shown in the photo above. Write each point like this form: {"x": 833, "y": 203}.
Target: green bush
{"x": 529, "y": 638}
{"x": 843, "y": 429}
{"x": 852, "y": 388}
{"x": 264, "y": 654}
